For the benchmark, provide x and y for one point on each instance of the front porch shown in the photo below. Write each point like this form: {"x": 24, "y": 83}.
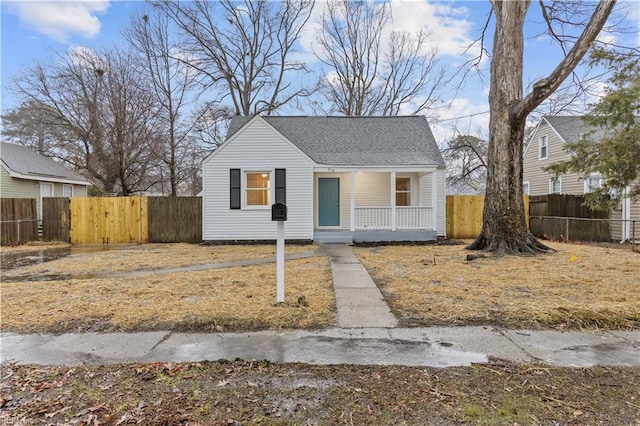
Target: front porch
{"x": 376, "y": 205}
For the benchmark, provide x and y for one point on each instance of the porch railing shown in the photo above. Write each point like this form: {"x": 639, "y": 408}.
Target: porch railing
{"x": 380, "y": 218}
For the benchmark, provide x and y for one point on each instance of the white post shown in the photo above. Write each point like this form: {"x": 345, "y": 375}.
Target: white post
{"x": 352, "y": 202}
{"x": 280, "y": 262}
{"x": 393, "y": 201}
{"x": 434, "y": 201}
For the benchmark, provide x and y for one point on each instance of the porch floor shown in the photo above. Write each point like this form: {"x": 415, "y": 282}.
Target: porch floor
{"x": 348, "y": 237}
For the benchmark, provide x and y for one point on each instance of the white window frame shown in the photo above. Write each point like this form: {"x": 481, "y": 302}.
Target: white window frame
{"x": 551, "y": 183}
{"x": 543, "y": 142}
{"x": 526, "y": 187}
{"x": 66, "y": 187}
{"x": 245, "y": 188}
{"x": 408, "y": 192}
{"x": 588, "y": 188}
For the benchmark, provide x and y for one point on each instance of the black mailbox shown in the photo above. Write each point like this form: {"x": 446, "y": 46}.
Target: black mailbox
{"x": 279, "y": 212}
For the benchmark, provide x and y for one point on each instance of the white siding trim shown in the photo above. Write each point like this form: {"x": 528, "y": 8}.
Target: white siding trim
{"x": 226, "y": 143}
{"x": 527, "y": 185}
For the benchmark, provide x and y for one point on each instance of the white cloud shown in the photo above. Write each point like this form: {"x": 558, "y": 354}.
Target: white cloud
{"x": 62, "y": 18}
{"x": 447, "y": 27}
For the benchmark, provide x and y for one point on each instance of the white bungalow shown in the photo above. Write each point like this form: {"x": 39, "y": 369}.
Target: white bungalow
{"x": 343, "y": 179}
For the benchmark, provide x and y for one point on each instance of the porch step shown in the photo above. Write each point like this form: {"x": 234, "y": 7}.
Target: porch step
{"x": 333, "y": 238}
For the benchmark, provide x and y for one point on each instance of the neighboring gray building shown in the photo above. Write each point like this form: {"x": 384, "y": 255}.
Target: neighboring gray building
{"x": 545, "y": 147}
{"x": 28, "y": 174}
{"x": 343, "y": 179}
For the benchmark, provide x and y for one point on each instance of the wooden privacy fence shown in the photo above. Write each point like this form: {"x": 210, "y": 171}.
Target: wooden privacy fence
{"x": 55, "y": 219}
{"x": 117, "y": 220}
{"x": 464, "y": 215}
{"x": 567, "y": 217}
{"x": 19, "y": 220}
{"x": 175, "y": 219}
{"x": 109, "y": 220}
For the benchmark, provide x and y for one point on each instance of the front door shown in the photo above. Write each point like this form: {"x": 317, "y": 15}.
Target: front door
{"x": 328, "y": 201}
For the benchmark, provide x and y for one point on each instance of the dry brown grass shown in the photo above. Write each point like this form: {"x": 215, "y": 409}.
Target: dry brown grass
{"x": 152, "y": 256}
{"x": 220, "y": 299}
{"x": 580, "y": 286}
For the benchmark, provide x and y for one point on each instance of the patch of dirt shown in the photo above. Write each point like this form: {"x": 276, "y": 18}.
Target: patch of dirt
{"x": 580, "y": 287}
{"x": 151, "y": 256}
{"x": 233, "y": 393}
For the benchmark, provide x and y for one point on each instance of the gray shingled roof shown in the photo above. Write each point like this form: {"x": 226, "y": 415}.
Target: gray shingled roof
{"x": 357, "y": 141}
{"x": 570, "y": 127}
{"x": 27, "y": 162}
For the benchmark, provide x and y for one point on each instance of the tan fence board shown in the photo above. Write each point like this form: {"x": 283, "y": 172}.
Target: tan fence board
{"x": 109, "y": 220}
{"x": 464, "y": 215}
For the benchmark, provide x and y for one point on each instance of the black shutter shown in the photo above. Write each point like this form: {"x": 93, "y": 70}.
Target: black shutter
{"x": 281, "y": 186}
{"x": 234, "y": 194}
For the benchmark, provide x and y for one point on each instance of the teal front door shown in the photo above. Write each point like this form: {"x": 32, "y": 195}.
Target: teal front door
{"x": 328, "y": 201}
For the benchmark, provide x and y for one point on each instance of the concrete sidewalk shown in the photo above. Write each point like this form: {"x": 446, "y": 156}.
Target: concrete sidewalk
{"x": 433, "y": 346}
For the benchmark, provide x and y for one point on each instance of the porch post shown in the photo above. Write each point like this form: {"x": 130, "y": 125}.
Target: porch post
{"x": 352, "y": 201}
{"x": 434, "y": 202}
{"x": 393, "y": 201}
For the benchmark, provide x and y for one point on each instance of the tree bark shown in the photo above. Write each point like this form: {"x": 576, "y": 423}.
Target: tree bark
{"x": 504, "y": 228}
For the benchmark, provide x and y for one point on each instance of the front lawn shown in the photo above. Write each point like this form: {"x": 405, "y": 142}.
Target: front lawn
{"x": 580, "y": 286}
{"x": 227, "y": 299}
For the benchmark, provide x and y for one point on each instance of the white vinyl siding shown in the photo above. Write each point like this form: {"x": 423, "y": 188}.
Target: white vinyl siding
{"x": 256, "y": 147}
{"x": 532, "y": 167}
{"x": 425, "y": 182}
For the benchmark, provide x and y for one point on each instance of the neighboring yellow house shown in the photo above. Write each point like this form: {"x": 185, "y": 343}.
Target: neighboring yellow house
{"x": 28, "y": 174}
{"x": 545, "y": 147}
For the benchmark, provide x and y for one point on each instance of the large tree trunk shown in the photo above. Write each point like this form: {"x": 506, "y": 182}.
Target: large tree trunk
{"x": 504, "y": 227}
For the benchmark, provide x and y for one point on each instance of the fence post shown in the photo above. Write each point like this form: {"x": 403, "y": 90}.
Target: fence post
{"x": 567, "y": 230}
{"x": 633, "y": 234}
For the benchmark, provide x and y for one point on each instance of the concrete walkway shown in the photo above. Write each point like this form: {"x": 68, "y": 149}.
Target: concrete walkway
{"x": 367, "y": 334}
{"x": 358, "y": 299}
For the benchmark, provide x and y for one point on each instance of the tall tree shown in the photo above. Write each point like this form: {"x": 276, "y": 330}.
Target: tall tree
{"x": 171, "y": 79}
{"x": 504, "y": 229}
{"x": 370, "y": 70}
{"x": 29, "y": 124}
{"x": 244, "y": 49}
{"x": 103, "y": 113}
{"x": 615, "y": 156}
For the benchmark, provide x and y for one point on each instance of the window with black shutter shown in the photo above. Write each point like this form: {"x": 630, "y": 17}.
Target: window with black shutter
{"x": 234, "y": 193}
{"x": 281, "y": 186}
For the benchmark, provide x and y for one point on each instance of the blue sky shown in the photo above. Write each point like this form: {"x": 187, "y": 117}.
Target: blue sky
{"x": 34, "y": 30}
